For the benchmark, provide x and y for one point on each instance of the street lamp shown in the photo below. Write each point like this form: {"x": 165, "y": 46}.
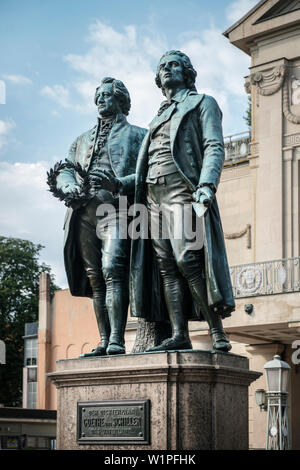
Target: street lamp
{"x": 277, "y": 374}
{"x": 261, "y": 399}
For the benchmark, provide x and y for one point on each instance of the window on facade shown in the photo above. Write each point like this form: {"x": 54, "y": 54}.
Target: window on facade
{"x": 31, "y": 374}
{"x": 30, "y": 356}
{"x": 31, "y": 394}
{"x": 39, "y": 442}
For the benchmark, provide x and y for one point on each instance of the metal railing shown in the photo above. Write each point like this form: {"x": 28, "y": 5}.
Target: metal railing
{"x": 266, "y": 278}
{"x": 237, "y": 146}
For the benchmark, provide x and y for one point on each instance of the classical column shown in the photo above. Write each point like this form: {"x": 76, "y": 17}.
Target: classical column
{"x": 44, "y": 342}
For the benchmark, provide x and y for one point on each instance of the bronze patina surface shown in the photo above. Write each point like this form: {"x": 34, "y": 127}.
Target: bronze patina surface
{"x": 99, "y": 170}
{"x": 180, "y": 162}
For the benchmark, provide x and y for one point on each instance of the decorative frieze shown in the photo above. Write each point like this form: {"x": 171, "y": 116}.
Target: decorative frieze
{"x": 295, "y": 92}
{"x": 266, "y": 278}
{"x": 294, "y": 118}
{"x": 245, "y": 231}
{"x": 291, "y": 140}
{"x": 269, "y": 82}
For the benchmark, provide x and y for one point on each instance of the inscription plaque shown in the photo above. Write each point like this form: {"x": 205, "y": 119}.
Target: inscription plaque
{"x": 113, "y": 422}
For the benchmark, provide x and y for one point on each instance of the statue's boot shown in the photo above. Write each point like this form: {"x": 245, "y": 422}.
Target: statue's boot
{"x": 103, "y": 325}
{"x": 216, "y": 331}
{"x": 174, "y": 296}
{"x": 219, "y": 339}
{"x": 172, "y": 344}
{"x": 98, "y": 351}
{"x": 117, "y": 302}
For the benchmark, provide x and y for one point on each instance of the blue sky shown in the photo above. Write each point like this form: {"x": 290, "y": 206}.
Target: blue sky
{"x": 54, "y": 53}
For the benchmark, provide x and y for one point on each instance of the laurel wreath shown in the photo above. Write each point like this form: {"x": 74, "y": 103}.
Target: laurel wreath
{"x": 79, "y": 195}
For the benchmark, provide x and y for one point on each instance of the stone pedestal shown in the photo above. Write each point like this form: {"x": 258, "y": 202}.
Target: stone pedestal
{"x": 197, "y": 399}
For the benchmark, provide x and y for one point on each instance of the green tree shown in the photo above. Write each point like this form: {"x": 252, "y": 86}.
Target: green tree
{"x": 248, "y": 115}
{"x": 19, "y": 287}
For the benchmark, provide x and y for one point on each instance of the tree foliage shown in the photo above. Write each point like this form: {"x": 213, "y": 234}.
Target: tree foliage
{"x": 19, "y": 287}
{"x": 248, "y": 114}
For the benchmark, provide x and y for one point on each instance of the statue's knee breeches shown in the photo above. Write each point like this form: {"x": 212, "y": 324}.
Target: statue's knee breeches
{"x": 115, "y": 259}
{"x": 191, "y": 265}
{"x": 167, "y": 267}
{"x": 113, "y": 271}
{"x": 96, "y": 281}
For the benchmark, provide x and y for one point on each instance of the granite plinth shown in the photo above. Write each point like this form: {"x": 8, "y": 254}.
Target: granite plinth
{"x": 198, "y": 399}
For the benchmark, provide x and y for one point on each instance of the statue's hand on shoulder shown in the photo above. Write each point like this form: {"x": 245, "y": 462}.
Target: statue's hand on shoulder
{"x": 204, "y": 195}
{"x": 104, "y": 179}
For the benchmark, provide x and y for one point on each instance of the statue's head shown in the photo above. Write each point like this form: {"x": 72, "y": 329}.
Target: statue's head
{"x": 112, "y": 97}
{"x": 175, "y": 68}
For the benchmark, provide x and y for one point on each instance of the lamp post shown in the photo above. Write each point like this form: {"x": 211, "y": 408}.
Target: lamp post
{"x": 260, "y": 398}
{"x": 277, "y": 374}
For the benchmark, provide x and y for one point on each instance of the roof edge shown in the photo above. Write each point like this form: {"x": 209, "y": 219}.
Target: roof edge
{"x": 237, "y": 23}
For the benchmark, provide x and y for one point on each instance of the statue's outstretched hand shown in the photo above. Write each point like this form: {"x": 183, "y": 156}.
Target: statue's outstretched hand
{"x": 104, "y": 179}
{"x": 204, "y": 195}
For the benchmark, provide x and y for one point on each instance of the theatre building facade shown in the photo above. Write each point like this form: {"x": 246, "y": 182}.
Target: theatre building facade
{"x": 259, "y": 202}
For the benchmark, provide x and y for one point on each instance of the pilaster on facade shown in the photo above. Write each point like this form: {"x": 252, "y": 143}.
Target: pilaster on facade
{"x": 44, "y": 342}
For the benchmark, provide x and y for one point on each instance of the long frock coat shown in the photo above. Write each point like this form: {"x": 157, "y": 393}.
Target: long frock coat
{"x": 123, "y": 144}
{"x": 197, "y": 148}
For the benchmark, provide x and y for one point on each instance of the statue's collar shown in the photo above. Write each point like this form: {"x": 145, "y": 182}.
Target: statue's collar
{"x": 180, "y": 96}
{"x": 119, "y": 118}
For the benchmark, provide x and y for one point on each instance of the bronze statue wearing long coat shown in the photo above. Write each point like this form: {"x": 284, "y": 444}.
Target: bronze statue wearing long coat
{"x": 123, "y": 143}
{"x": 198, "y": 151}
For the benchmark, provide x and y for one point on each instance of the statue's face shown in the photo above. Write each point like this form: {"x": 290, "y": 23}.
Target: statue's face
{"x": 106, "y": 102}
{"x": 170, "y": 71}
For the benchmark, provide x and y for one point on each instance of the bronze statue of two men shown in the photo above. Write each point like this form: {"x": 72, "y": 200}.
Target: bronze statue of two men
{"x": 176, "y": 163}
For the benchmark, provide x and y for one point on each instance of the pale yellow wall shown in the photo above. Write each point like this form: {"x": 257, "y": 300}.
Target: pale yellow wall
{"x": 235, "y": 200}
{"x": 277, "y": 140}
{"x": 275, "y": 46}
{"x": 74, "y": 331}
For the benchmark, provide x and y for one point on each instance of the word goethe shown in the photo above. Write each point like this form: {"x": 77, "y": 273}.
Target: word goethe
{"x": 139, "y": 221}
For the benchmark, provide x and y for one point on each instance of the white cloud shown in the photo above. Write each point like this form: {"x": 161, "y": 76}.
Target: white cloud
{"x": 131, "y": 55}
{"x": 29, "y": 211}
{"x": 5, "y": 129}
{"x": 58, "y": 93}
{"x": 18, "y": 79}
{"x": 127, "y": 55}
{"x": 220, "y": 68}
{"x": 239, "y": 8}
